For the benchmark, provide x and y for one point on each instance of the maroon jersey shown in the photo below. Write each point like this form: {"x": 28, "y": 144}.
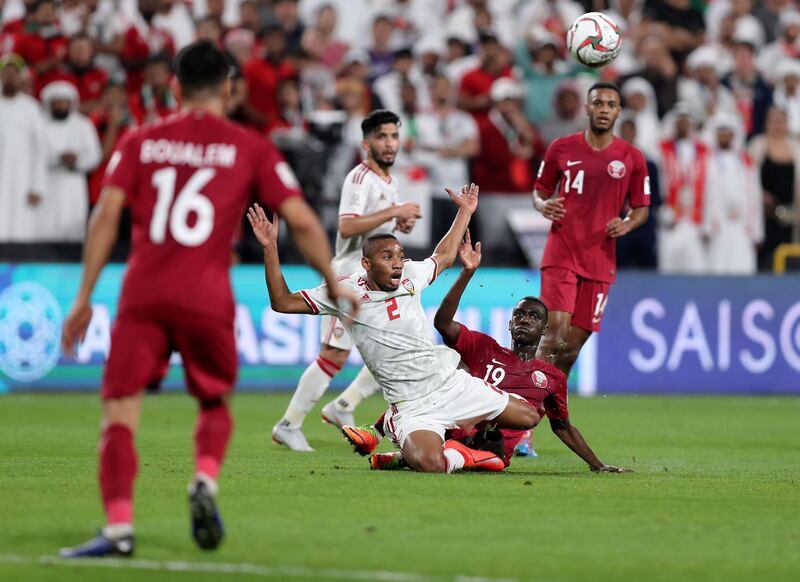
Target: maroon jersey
{"x": 541, "y": 384}
{"x": 188, "y": 179}
{"x": 595, "y": 185}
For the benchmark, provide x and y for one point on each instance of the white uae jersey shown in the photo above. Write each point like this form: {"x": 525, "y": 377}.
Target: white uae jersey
{"x": 363, "y": 192}
{"x": 393, "y": 334}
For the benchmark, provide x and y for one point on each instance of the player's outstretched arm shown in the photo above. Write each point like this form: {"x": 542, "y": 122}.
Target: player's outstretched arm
{"x": 572, "y": 437}
{"x": 444, "y": 321}
{"x": 100, "y": 239}
{"x": 280, "y": 298}
{"x": 447, "y": 249}
{"x": 310, "y": 238}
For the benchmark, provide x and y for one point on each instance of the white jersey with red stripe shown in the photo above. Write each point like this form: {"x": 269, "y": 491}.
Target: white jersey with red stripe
{"x": 363, "y": 192}
{"x": 392, "y": 333}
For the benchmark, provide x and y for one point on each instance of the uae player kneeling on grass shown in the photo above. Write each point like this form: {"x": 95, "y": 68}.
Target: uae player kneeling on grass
{"x": 515, "y": 370}
{"x": 188, "y": 179}
{"x": 421, "y": 381}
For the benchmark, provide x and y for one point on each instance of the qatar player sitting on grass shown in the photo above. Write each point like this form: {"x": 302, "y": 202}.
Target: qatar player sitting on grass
{"x": 426, "y": 390}
{"x": 514, "y": 370}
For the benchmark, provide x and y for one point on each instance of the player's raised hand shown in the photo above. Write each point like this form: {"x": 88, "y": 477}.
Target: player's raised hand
{"x": 554, "y": 208}
{"x": 470, "y": 257}
{"x": 405, "y": 225}
{"x": 611, "y": 469}
{"x": 617, "y": 227}
{"x": 266, "y": 231}
{"x": 75, "y": 326}
{"x": 467, "y": 197}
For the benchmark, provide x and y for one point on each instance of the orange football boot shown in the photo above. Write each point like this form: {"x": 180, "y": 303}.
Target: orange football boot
{"x": 387, "y": 461}
{"x": 364, "y": 439}
{"x": 475, "y": 460}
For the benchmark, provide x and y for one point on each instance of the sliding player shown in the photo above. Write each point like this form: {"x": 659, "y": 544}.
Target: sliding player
{"x": 427, "y": 392}
{"x": 514, "y": 370}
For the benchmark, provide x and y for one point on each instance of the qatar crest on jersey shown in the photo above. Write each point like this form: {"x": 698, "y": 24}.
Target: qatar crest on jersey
{"x": 616, "y": 169}
{"x": 409, "y": 285}
{"x": 539, "y": 379}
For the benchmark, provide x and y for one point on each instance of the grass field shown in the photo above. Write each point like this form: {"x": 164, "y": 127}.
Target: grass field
{"x": 716, "y": 496}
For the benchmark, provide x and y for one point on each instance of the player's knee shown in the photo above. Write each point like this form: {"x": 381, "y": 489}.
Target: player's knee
{"x": 334, "y": 355}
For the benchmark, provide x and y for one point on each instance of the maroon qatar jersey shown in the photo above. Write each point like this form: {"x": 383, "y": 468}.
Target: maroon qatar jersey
{"x": 595, "y": 185}
{"x": 188, "y": 179}
{"x": 540, "y": 383}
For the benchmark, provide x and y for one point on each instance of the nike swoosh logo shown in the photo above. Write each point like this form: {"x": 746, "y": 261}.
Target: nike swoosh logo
{"x": 496, "y": 362}
{"x": 571, "y": 163}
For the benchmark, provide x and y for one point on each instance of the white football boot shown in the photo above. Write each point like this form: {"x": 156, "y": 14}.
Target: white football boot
{"x": 293, "y": 438}
{"x": 333, "y": 415}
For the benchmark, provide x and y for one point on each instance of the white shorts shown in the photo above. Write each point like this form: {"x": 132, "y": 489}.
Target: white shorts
{"x": 461, "y": 402}
{"x": 333, "y": 333}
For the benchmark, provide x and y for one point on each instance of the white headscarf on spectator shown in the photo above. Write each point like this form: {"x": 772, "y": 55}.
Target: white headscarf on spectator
{"x": 680, "y": 109}
{"x": 725, "y": 121}
{"x": 789, "y": 103}
{"x": 647, "y": 125}
{"x": 60, "y": 90}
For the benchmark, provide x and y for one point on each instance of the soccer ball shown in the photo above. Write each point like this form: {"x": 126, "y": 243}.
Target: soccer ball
{"x": 594, "y": 39}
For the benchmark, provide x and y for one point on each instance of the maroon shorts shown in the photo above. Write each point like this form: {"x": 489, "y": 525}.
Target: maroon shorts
{"x": 142, "y": 341}
{"x": 585, "y": 299}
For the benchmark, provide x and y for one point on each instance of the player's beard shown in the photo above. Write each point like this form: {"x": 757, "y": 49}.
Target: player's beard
{"x": 376, "y": 155}
{"x": 598, "y": 131}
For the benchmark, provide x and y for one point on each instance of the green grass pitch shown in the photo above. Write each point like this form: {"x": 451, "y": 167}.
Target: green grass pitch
{"x": 716, "y": 496}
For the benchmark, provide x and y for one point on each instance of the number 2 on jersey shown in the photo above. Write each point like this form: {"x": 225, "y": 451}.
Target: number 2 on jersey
{"x": 189, "y": 200}
{"x": 576, "y": 184}
{"x": 392, "y": 310}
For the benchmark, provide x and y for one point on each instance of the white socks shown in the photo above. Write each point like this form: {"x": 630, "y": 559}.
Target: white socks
{"x": 118, "y": 530}
{"x": 313, "y": 384}
{"x": 455, "y": 460}
{"x": 362, "y": 387}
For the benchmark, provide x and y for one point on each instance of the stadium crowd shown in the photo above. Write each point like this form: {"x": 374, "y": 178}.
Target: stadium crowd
{"x": 711, "y": 94}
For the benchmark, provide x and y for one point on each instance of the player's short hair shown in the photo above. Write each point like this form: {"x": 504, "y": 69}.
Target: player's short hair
{"x": 604, "y": 85}
{"x": 370, "y": 243}
{"x": 201, "y": 66}
{"x": 537, "y": 300}
{"x": 375, "y": 119}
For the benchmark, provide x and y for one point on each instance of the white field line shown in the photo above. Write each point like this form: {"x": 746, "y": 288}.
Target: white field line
{"x": 243, "y": 568}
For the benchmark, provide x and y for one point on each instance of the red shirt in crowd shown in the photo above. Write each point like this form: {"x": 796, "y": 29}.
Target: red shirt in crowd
{"x": 262, "y": 77}
{"x": 479, "y": 82}
{"x": 141, "y": 42}
{"x": 37, "y": 48}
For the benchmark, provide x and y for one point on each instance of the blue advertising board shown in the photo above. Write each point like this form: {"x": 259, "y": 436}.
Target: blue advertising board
{"x": 722, "y": 335}
{"x": 273, "y": 348}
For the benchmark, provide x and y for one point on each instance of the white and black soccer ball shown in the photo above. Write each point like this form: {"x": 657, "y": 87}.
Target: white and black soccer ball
{"x": 594, "y": 39}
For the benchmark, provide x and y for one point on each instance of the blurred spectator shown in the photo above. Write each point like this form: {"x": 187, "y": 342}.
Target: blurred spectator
{"x": 786, "y": 46}
{"x": 684, "y": 175}
{"x": 319, "y": 42}
{"x": 381, "y": 50}
{"x": 111, "y": 121}
{"x": 446, "y": 139}
{"x": 73, "y": 150}
{"x": 680, "y": 24}
{"x": 429, "y": 53}
{"x": 703, "y": 90}
{"x": 637, "y": 250}
{"x": 752, "y": 93}
{"x": 504, "y": 169}
{"x": 568, "y": 114}
{"x": 787, "y": 93}
{"x": 80, "y": 70}
{"x": 40, "y": 43}
{"x": 154, "y": 100}
{"x": 142, "y": 41}
{"x": 23, "y": 153}
{"x": 543, "y": 70}
{"x": 659, "y": 69}
{"x": 290, "y": 119}
{"x": 640, "y": 101}
{"x": 287, "y": 16}
{"x": 263, "y": 73}
{"x": 387, "y": 87}
{"x": 776, "y": 156}
{"x": 555, "y": 16}
{"x": 355, "y": 65}
{"x": 173, "y": 16}
{"x": 458, "y": 59}
{"x": 735, "y": 213}
{"x": 768, "y": 13}
{"x": 473, "y": 94}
